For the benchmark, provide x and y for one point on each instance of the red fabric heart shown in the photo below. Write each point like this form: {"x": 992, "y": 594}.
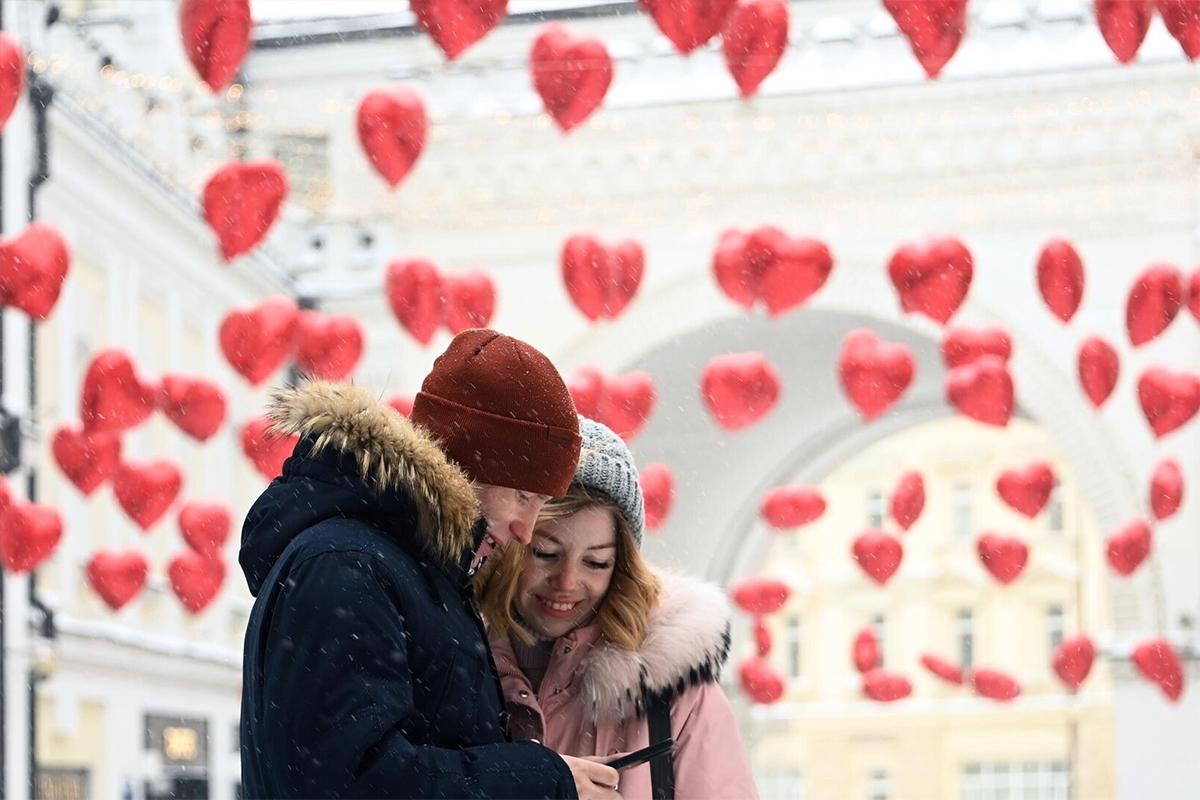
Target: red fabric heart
{"x": 12, "y": 75}
{"x": 86, "y": 458}
{"x": 328, "y": 346}
{"x": 196, "y": 405}
{"x": 1060, "y": 278}
{"x": 934, "y": 29}
{"x": 403, "y": 403}
{"x": 241, "y": 202}
{"x": 32, "y": 269}
{"x": 739, "y": 389}
{"x": 1194, "y": 294}
{"x": 878, "y": 553}
{"x": 117, "y": 577}
{"x": 267, "y": 452}
{"x": 995, "y": 685}
{"x": 1123, "y": 24}
{"x": 932, "y": 277}
{"x": 786, "y": 507}
{"x": 195, "y": 579}
{"x": 571, "y": 74}
{"x": 392, "y": 124}
{"x": 601, "y": 280}
{"x": 29, "y": 534}
{"x": 1073, "y": 660}
{"x": 982, "y": 390}
{"x": 1154, "y": 301}
{"x": 908, "y": 499}
{"x": 874, "y": 374}
{"x": 415, "y": 294}
{"x": 216, "y": 37}
{"x": 205, "y": 526}
{"x": 760, "y": 681}
{"x": 759, "y": 595}
{"x": 883, "y": 686}
{"x": 1098, "y": 369}
{"x": 963, "y": 345}
{"x": 768, "y": 264}
{"x": 762, "y": 637}
{"x": 658, "y": 488}
{"x": 6, "y": 498}
{"x": 951, "y": 673}
{"x": 114, "y": 396}
{"x": 1026, "y": 489}
{"x": 586, "y": 386}
{"x": 455, "y": 25}
{"x": 1166, "y": 488}
{"x": 257, "y": 340}
{"x": 736, "y": 276}
{"x": 1169, "y": 399}
{"x": 1003, "y": 556}
{"x": 470, "y": 301}
{"x": 1158, "y": 663}
{"x": 865, "y": 650}
{"x": 1182, "y": 20}
{"x": 1128, "y": 546}
{"x": 688, "y": 23}
{"x": 626, "y": 403}
{"x": 146, "y": 490}
{"x": 753, "y": 40}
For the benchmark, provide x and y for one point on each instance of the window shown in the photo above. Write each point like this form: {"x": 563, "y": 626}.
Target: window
{"x": 962, "y": 500}
{"x": 779, "y": 784}
{"x": 879, "y": 625}
{"x": 1030, "y": 780}
{"x": 1054, "y": 626}
{"x": 878, "y": 787}
{"x": 791, "y": 647}
{"x": 966, "y": 639}
{"x": 1054, "y": 511}
{"x": 875, "y": 509}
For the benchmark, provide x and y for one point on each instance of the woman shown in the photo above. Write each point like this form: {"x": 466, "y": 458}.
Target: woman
{"x": 595, "y": 649}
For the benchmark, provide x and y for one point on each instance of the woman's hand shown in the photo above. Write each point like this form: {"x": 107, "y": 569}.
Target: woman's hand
{"x": 594, "y": 780}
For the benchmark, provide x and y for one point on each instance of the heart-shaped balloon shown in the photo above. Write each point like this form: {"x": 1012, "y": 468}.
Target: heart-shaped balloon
{"x": 1060, "y": 278}
{"x": 1182, "y": 20}
{"x": 194, "y": 404}
{"x": 117, "y": 577}
{"x": 328, "y": 346}
{"x": 753, "y": 40}
{"x": 403, "y": 403}
{"x": 994, "y": 684}
{"x": 688, "y": 23}
{"x": 1194, "y": 294}
{"x": 963, "y": 345}
{"x": 884, "y": 686}
{"x": 114, "y": 397}
{"x": 571, "y": 74}
{"x": 739, "y": 389}
{"x": 205, "y": 526}
{"x": 1128, "y": 546}
{"x": 762, "y": 636}
{"x": 470, "y": 301}
{"x": 1154, "y": 301}
{"x": 760, "y": 680}
{"x": 146, "y": 490}
{"x": 759, "y": 595}
{"x": 86, "y": 458}
{"x": 586, "y": 386}
{"x": 1123, "y": 24}
{"x": 932, "y": 277}
{"x": 982, "y": 390}
{"x": 216, "y": 37}
{"x": 1027, "y": 489}
{"x": 771, "y": 266}
{"x": 12, "y": 75}
{"x": 601, "y": 279}
{"x": 1166, "y": 488}
{"x": 786, "y": 507}
{"x": 455, "y": 25}
{"x": 658, "y": 488}
{"x": 29, "y": 534}
{"x": 865, "y": 650}
{"x": 265, "y": 450}
{"x": 1073, "y": 660}
{"x": 934, "y": 29}
{"x": 947, "y": 671}
{"x": 391, "y": 129}
{"x": 32, "y": 269}
{"x": 1169, "y": 399}
{"x": 195, "y": 579}
{"x": 257, "y": 341}
{"x": 908, "y": 499}
{"x": 626, "y": 403}
{"x": 873, "y": 373}
{"x": 241, "y": 202}
{"x": 878, "y": 553}
{"x": 1003, "y": 556}
{"x": 1098, "y": 369}
{"x": 1158, "y": 663}
{"x": 415, "y": 294}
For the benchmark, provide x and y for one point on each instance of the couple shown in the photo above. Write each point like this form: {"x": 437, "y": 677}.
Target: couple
{"x": 367, "y": 669}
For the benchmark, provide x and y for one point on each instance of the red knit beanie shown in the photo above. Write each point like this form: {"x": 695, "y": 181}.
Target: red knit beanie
{"x": 501, "y": 411}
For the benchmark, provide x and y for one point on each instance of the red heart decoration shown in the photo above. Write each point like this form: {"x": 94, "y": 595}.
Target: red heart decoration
{"x": 769, "y": 265}
{"x": 786, "y": 507}
{"x": 739, "y": 389}
{"x": 571, "y": 74}
{"x": 932, "y": 277}
{"x": 874, "y": 374}
{"x": 1166, "y": 488}
{"x": 982, "y": 390}
{"x": 415, "y": 294}
{"x": 601, "y": 280}
{"x": 266, "y": 451}
{"x": 196, "y": 405}
{"x": 403, "y": 403}
{"x": 114, "y": 397}
{"x": 951, "y": 673}
{"x": 626, "y": 403}
{"x": 1003, "y": 556}
{"x": 753, "y": 40}
{"x": 1182, "y": 19}
{"x": 963, "y": 345}
{"x": 688, "y": 23}
{"x": 117, "y": 577}
{"x": 878, "y": 553}
{"x": 586, "y": 386}
{"x": 1168, "y": 399}
{"x": 32, "y": 269}
{"x": 391, "y": 129}
{"x": 760, "y": 680}
{"x": 1128, "y": 546}
{"x": 328, "y": 346}
{"x": 241, "y": 202}
{"x": 216, "y": 37}
{"x": 886, "y": 687}
{"x": 759, "y": 595}
{"x": 1073, "y": 660}
{"x": 6, "y": 498}
{"x": 1158, "y": 663}
{"x": 762, "y": 636}
{"x": 908, "y": 499}
{"x": 470, "y": 301}
{"x": 146, "y": 490}
{"x": 86, "y": 458}
{"x": 1098, "y": 369}
{"x": 195, "y": 579}
{"x": 1154, "y": 301}
{"x": 1027, "y": 489}
{"x": 737, "y": 277}
{"x": 995, "y": 685}
{"x": 1123, "y": 24}
{"x": 205, "y": 526}
{"x": 658, "y": 488}
{"x": 257, "y": 340}
{"x": 12, "y": 75}
{"x": 865, "y": 650}
{"x": 455, "y": 25}
{"x": 29, "y": 534}
{"x": 1060, "y": 278}
{"x": 934, "y": 29}
{"x": 1194, "y": 295}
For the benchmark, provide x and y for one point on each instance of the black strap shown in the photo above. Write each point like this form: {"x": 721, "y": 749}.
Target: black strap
{"x": 662, "y": 769}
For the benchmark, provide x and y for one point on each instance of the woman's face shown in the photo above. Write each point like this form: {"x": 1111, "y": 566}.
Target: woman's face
{"x": 569, "y": 570}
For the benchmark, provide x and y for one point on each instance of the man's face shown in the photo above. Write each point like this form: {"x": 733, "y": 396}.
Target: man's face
{"x": 510, "y": 514}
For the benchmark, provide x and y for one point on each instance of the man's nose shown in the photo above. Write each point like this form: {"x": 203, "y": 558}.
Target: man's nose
{"x": 521, "y": 531}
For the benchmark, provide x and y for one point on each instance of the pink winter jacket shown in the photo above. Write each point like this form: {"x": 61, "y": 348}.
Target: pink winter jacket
{"x": 591, "y": 697}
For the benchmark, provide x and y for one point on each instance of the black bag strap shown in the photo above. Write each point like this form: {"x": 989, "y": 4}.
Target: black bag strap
{"x": 662, "y": 768}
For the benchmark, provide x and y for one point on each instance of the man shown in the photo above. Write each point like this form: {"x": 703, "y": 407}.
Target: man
{"x": 366, "y": 669}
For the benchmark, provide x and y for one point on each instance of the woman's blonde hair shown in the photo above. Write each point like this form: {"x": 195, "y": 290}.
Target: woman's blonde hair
{"x": 623, "y": 613}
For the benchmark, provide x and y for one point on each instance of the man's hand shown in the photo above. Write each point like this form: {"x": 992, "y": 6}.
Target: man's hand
{"x": 594, "y": 780}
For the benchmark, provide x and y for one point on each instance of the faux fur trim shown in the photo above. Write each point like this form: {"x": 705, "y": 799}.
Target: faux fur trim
{"x": 392, "y": 452}
{"x": 687, "y": 642}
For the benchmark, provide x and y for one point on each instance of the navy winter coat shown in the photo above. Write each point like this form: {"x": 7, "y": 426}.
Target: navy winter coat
{"x": 366, "y": 670}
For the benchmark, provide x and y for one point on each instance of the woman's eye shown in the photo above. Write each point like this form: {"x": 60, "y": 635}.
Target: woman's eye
{"x": 545, "y": 555}
{"x": 598, "y": 565}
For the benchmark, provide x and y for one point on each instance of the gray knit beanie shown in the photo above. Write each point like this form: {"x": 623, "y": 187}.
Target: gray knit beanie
{"x": 606, "y": 467}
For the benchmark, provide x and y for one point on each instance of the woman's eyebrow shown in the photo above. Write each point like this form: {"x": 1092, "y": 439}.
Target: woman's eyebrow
{"x": 603, "y": 546}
